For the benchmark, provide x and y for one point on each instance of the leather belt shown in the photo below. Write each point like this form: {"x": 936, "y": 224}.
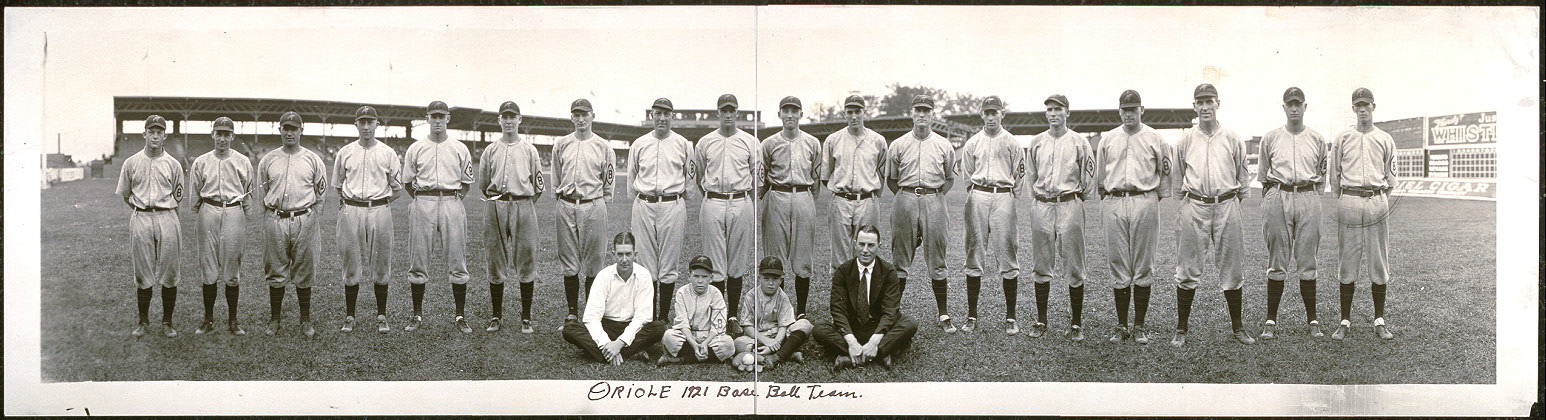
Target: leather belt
{"x": 855, "y": 196}
{"x": 1364, "y": 192}
{"x": 436, "y": 193}
{"x": 994, "y": 190}
{"x": 217, "y": 203}
{"x": 724, "y": 196}
{"x": 1127, "y": 193}
{"x": 920, "y": 190}
{"x": 509, "y": 197}
{"x": 149, "y": 209}
{"x": 659, "y": 198}
{"x": 367, "y": 203}
{"x": 286, "y": 214}
{"x": 1065, "y": 197}
{"x": 1300, "y": 187}
{"x": 790, "y": 188}
{"x": 577, "y": 201}
{"x": 1212, "y": 199}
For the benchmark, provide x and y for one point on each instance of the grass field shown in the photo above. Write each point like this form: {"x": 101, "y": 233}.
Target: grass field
{"x": 1441, "y": 307}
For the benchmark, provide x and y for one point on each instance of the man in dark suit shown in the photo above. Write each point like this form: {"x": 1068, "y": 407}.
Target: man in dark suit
{"x": 867, "y": 322}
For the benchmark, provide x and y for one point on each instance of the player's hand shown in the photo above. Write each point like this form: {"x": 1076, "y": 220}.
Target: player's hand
{"x": 871, "y": 349}
{"x": 856, "y": 353}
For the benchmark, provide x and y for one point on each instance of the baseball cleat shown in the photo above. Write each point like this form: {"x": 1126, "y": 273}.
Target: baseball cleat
{"x": 1244, "y": 337}
{"x": 234, "y": 328}
{"x": 732, "y": 326}
{"x": 1038, "y": 329}
{"x": 1011, "y": 327}
{"x": 273, "y": 327}
{"x": 461, "y": 324}
{"x": 307, "y": 329}
{"x": 413, "y": 323}
{"x": 797, "y": 357}
{"x": 206, "y": 327}
{"x": 842, "y": 362}
{"x": 526, "y": 327}
{"x": 348, "y": 324}
{"x": 970, "y": 325}
{"x": 381, "y": 324}
{"x": 139, "y": 331}
{"x": 1179, "y": 340}
{"x": 493, "y": 325}
{"x": 1268, "y": 330}
{"x": 1120, "y": 334}
{"x": 1383, "y": 332}
{"x": 666, "y": 359}
{"x": 571, "y": 318}
{"x": 1340, "y": 332}
{"x": 1140, "y": 334}
{"x": 1074, "y": 334}
{"x": 1315, "y": 329}
{"x": 944, "y": 324}
{"x": 167, "y": 327}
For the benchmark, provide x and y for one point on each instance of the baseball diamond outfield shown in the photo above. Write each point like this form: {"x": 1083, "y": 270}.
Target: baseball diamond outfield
{"x": 1442, "y": 308}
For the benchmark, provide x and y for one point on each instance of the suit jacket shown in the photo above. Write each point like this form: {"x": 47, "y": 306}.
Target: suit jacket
{"x": 885, "y": 299}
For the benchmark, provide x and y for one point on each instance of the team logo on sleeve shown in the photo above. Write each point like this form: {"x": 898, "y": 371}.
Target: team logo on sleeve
{"x": 1165, "y": 165}
{"x": 177, "y": 192}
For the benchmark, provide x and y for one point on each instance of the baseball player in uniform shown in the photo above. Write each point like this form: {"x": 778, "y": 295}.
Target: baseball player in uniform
{"x": 920, "y": 168}
{"x": 1211, "y": 175}
{"x": 151, "y": 182}
{"x": 583, "y": 169}
{"x": 659, "y": 165}
{"x": 510, "y": 178}
{"x": 1363, "y": 171}
{"x": 994, "y": 163}
{"x": 1292, "y": 173}
{"x": 365, "y": 172}
{"x": 793, "y": 160}
{"x": 729, "y": 170}
{"x": 221, "y": 179}
{"x": 1133, "y": 173}
{"x": 853, "y": 162}
{"x": 1061, "y": 174}
{"x": 437, "y": 172}
{"x": 293, "y": 179}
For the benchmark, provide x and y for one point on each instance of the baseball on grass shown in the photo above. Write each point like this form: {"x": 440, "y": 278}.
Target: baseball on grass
{"x": 748, "y": 358}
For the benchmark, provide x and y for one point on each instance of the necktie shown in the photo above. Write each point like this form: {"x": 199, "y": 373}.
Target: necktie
{"x": 864, "y": 273}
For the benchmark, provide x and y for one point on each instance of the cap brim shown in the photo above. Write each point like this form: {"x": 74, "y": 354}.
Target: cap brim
{"x": 771, "y": 271}
{"x": 579, "y": 108}
{"x": 1130, "y": 105}
{"x": 1363, "y": 100}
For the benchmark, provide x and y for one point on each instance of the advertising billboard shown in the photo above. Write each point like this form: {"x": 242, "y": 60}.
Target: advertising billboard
{"x": 1463, "y": 130}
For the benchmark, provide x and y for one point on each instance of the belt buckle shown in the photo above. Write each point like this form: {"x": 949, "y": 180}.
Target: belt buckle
{"x": 919, "y": 190}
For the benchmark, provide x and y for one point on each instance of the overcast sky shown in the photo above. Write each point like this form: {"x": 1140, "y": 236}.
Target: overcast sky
{"x": 1418, "y": 61}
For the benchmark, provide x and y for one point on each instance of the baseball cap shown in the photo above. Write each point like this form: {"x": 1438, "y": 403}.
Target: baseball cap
{"x": 290, "y": 118}
{"x": 581, "y": 104}
{"x": 923, "y": 101}
{"x": 1293, "y": 94}
{"x": 771, "y": 266}
{"x": 663, "y": 103}
{"x": 155, "y": 121}
{"x": 1205, "y": 90}
{"x": 1363, "y": 94}
{"x": 1129, "y": 98}
{"x": 224, "y": 123}
{"x": 701, "y": 262}
{"x": 365, "y": 111}
{"x": 1057, "y": 98}
{"x": 509, "y": 107}
{"x": 438, "y": 107}
{"x": 727, "y": 100}
{"x": 994, "y": 103}
{"x": 854, "y": 100}
{"x": 790, "y": 101}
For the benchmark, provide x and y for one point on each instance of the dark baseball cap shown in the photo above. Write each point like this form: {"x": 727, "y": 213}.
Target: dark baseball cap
{"x": 1293, "y": 94}
{"x": 1363, "y": 94}
{"x": 1205, "y": 90}
{"x": 771, "y": 266}
{"x": 365, "y": 111}
{"x": 290, "y": 118}
{"x": 155, "y": 121}
{"x": 790, "y": 101}
{"x": 581, "y": 104}
{"x": 923, "y": 101}
{"x": 994, "y": 103}
{"x": 664, "y": 103}
{"x": 509, "y": 107}
{"x": 438, "y": 107}
{"x": 727, "y": 100}
{"x": 224, "y": 123}
{"x": 854, "y": 100}
{"x": 701, "y": 262}
{"x": 1057, "y": 98}
{"x": 1129, "y": 98}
